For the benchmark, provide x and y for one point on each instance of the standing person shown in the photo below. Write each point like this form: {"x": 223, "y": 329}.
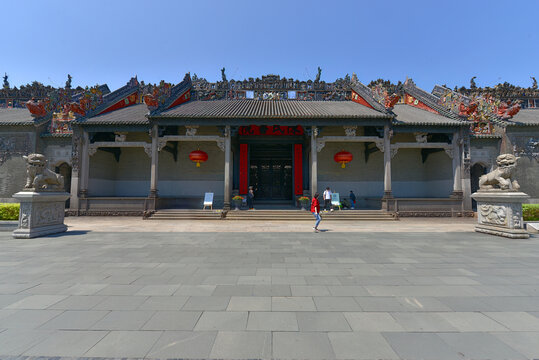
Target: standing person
{"x": 352, "y": 200}
{"x": 315, "y": 209}
{"x": 250, "y": 198}
{"x": 327, "y": 198}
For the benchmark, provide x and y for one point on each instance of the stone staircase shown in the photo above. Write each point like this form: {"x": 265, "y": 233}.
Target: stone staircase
{"x": 271, "y": 215}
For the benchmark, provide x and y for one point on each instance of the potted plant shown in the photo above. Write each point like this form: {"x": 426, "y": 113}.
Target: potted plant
{"x": 304, "y": 202}
{"x": 238, "y": 200}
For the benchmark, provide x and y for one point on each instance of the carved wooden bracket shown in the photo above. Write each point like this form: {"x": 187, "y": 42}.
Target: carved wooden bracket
{"x": 350, "y": 130}
{"x": 191, "y": 130}
{"x": 320, "y": 145}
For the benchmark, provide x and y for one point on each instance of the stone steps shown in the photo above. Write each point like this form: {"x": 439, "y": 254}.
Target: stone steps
{"x": 271, "y": 215}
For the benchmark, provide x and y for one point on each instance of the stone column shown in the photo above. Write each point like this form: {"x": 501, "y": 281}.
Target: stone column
{"x": 154, "y": 168}
{"x": 155, "y": 159}
{"x": 314, "y": 162}
{"x": 387, "y": 162}
{"x": 228, "y": 189}
{"x": 75, "y": 170}
{"x": 457, "y": 183}
{"x": 85, "y": 165}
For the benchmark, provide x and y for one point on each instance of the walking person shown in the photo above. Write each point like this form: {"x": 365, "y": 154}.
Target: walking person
{"x": 250, "y": 198}
{"x": 327, "y": 198}
{"x": 315, "y": 209}
{"x": 352, "y": 197}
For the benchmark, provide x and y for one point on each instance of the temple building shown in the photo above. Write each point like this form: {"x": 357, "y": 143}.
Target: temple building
{"x": 141, "y": 149}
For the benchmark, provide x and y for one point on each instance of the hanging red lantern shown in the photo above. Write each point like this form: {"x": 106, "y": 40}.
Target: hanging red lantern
{"x": 198, "y": 156}
{"x": 343, "y": 157}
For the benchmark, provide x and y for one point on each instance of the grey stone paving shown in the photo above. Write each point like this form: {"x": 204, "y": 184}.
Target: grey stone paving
{"x": 270, "y": 295}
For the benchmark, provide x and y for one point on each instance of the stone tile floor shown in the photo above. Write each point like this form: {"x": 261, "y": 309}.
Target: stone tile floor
{"x": 264, "y": 295}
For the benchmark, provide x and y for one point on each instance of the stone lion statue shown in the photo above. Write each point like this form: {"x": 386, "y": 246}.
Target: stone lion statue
{"x": 39, "y": 177}
{"x": 501, "y": 176}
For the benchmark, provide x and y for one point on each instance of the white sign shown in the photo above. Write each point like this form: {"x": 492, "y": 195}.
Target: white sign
{"x": 208, "y": 200}
{"x": 335, "y": 200}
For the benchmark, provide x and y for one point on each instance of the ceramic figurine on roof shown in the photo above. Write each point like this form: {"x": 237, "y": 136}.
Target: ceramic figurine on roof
{"x": 158, "y": 96}
{"x": 36, "y": 108}
{"x": 223, "y": 75}
{"x": 507, "y": 110}
{"x": 318, "y": 75}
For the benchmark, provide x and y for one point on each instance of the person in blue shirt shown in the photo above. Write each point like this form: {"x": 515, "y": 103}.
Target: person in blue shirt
{"x": 352, "y": 197}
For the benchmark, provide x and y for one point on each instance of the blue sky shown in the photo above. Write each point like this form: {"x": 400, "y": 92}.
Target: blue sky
{"x": 430, "y": 41}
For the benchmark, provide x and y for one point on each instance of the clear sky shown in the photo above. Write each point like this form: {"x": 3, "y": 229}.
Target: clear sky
{"x": 433, "y": 42}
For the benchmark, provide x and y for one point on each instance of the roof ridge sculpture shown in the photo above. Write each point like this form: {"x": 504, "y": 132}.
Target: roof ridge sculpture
{"x": 428, "y": 99}
{"x": 115, "y": 96}
{"x": 366, "y": 93}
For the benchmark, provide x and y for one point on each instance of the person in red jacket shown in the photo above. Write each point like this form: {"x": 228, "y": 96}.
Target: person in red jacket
{"x": 315, "y": 209}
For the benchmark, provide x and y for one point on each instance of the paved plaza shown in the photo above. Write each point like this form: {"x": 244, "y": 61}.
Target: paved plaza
{"x": 409, "y": 289}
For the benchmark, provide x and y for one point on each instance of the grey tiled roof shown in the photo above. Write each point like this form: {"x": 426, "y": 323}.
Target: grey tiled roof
{"x": 17, "y": 117}
{"x": 131, "y": 115}
{"x": 525, "y": 117}
{"x": 409, "y": 115}
{"x": 256, "y": 109}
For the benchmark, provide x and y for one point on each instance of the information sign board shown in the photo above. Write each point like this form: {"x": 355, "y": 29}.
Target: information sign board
{"x": 208, "y": 200}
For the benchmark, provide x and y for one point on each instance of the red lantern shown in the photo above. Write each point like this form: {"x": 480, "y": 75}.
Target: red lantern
{"x": 198, "y": 156}
{"x": 343, "y": 157}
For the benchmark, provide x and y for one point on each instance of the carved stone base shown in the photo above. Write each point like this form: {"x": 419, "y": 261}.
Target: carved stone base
{"x": 41, "y": 213}
{"x": 457, "y": 195}
{"x": 495, "y": 230}
{"x": 500, "y": 213}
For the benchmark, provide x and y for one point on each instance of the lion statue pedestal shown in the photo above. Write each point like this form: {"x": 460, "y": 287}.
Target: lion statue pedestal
{"x": 499, "y": 203}
{"x": 42, "y": 201}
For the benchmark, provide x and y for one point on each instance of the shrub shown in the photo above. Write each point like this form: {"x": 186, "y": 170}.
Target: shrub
{"x": 530, "y": 212}
{"x": 9, "y": 211}
{"x": 237, "y": 198}
{"x": 303, "y": 198}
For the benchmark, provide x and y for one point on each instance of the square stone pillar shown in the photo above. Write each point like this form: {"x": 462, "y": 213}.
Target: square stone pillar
{"x": 388, "y": 193}
{"x": 228, "y": 163}
{"x": 85, "y": 165}
{"x": 314, "y": 161}
{"x": 457, "y": 166}
{"x": 154, "y": 169}
{"x": 75, "y": 170}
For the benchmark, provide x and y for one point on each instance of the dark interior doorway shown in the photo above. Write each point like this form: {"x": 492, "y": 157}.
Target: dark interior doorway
{"x": 476, "y": 171}
{"x": 270, "y": 171}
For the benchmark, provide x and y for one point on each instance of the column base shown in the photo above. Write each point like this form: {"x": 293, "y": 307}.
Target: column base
{"x": 386, "y": 201}
{"x": 457, "y": 194}
{"x": 388, "y": 195}
{"x": 226, "y": 205}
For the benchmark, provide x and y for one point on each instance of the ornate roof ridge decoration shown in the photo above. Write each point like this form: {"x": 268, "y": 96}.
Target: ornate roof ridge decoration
{"x": 501, "y": 91}
{"x": 383, "y": 97}
{"x": 366, "y": 93}
{"x": 478, "y": 107}
{"x": 430, "y": 100}
{"x": 272, "y": 87}
{"x": 481, "y": 111}
{"x": 159, "y": 94}
{"x": 183, "y": 89}
{"x": 114, "y": 97}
